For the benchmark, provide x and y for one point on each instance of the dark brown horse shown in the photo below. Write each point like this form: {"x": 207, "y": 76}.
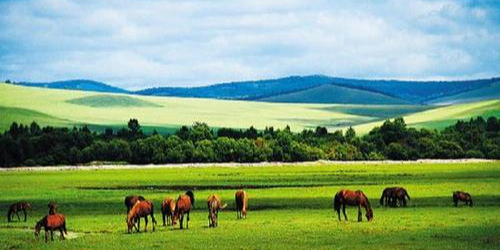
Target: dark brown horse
{"x": 50, "y": 223}
{"x": 352, "y": 198}
{"x": 167, "y": 210}
{"x": 52, "y": 207}
{"x": 394, "y": 196}
{"x": 462, "y": 196}
{"x": 214, "y": 205}
{"x": 241, "y": 199}
{"x": 131, "y": 200}
{"x": 182, "y": 206}
{"x": 16, "y": 207}
{"x": 140, "y": 209}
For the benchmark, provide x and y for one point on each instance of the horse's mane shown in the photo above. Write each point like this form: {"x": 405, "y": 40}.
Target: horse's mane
{"x": 367, "y": 201}
{"x": 191, "y": 196}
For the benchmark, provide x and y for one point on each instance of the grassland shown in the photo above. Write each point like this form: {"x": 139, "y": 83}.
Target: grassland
{"x": 290, "y": 207}
{"x": 68, "y": 108}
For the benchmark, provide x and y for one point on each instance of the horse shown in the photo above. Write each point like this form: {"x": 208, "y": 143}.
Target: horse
{"x": 140, "y": 209}
{"x": 167, "y": 210}
{"x": 182, "y": 206}
{"x": 15, "y": 208}
{"x": 393, "y": 196}
{"x": 214, "y": 205}
{"x": 52, "y": 207}
{"x": 131, "y": 200}
{"x": 50, "y": 223}
{"x": 385, "y": 199}
{"x": 462, "y": 196}
{"x": 352, "y": 198}
{"x": 241, "y": 199}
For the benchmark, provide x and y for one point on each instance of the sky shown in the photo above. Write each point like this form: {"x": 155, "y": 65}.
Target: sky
{"x": 140, "y": 44}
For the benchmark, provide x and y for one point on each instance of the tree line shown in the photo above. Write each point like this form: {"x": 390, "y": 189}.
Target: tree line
{"x": 32, "y": 145}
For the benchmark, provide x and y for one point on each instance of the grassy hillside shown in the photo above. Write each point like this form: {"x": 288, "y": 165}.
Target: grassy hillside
{"x": 68, "y": 108}
{"x": 289, "y": 207}
{"x": 490, "y": 92}
{"x": 444, "y": 116}
{"x": 335, "y": 94}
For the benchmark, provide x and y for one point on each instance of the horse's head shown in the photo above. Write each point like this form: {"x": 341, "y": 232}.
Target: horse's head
{"x": 369, "y": 215}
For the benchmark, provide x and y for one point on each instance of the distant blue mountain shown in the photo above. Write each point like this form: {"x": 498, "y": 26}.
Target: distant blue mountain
{"x": 84, "y": 85}
{"x": 408, "y": 91}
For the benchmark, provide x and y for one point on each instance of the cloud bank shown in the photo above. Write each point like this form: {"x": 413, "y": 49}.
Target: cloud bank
{"x": 137, "y": 44}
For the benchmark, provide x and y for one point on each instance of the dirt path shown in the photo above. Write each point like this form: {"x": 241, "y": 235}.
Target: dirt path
{"x": 233, "y": 164}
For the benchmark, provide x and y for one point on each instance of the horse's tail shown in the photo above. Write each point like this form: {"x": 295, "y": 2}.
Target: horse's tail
{"x": 191, "y": 197}
{"x": 153, "y": 214}
{"x": 407, "y": 195}
{"x": 336, "y": 202}
{"x": 382, "y": 198}
{"x": 64, "y": 227}
{"x": 223, "y": 206}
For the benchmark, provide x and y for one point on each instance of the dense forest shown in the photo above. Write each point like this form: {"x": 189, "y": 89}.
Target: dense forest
{"x": 32, "y": 145}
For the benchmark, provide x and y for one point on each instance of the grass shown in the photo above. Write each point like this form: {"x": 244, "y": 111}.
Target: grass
{"x": 290, "y": 207}
{"x": 68, "y": 108}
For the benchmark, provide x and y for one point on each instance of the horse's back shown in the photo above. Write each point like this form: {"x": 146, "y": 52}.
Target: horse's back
{"x": 183, "y": 203}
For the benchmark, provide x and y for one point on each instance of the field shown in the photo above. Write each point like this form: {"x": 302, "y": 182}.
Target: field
{"x": 290, "y": 207}
{"x": 98, "y": 110}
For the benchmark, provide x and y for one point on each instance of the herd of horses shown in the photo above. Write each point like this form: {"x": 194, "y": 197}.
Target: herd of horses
{"x": 174, "y": 211}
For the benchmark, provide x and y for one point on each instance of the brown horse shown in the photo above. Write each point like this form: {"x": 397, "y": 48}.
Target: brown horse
{"x": 140, "y": 209}
{"x": 131, "y": 200}
{"x": 241, "y": 199}
{"x": 352, "y": 198}
{"x": 52, "y": 207}
{"x": 394, "y": 196}
{"x": 50, "y": 223}
{"x": 462, "y": 196}
{"x": 214, "y": 205}
{"x": 167, "y": 210}
{"x": 182, "y": 206}
{"x": 16, "y": 207}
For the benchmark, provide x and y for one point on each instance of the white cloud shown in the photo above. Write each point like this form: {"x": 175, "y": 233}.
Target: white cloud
{"x": 137, "y": 44}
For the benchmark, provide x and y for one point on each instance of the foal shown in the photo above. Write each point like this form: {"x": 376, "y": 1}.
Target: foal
{"x": 167, "y": 210}
{"x": 16, "y": 207}
{"x": 214, "y": 205}
{"x": 241, "y": 199}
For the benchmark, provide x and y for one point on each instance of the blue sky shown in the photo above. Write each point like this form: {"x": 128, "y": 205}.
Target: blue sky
{"x": 138, "y": 44}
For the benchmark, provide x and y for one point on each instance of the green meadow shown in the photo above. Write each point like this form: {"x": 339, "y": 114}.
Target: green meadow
{"x": 165, "y": 114}
{"x": 290, "y": 207}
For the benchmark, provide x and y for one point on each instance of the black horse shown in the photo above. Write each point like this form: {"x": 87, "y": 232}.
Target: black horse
{"x": 16, "y": 207}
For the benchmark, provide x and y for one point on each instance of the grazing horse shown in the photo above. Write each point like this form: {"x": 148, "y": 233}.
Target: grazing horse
{"x": 50, "y": 223}
{"x": 140, "y": 209}
{"x": 182, "y": 206}
{"x": 167, "y": 210}
{"x": 462, "y": 196}
{"x": 16, "y": 207}
{"x": 52, "y": 207}
{"x": 352, "y": 198}
{"x": 241, "y": 199}
{"x": 385, "y": 199}
{"x": 392, "y": 196}
{"x": 214, "y": 205}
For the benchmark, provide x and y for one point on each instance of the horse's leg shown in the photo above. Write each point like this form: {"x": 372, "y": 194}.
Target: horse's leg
{"x": 138, "y": 224}
{"x": 62, "y": 233}
{"x": 182, "y": 220}
{"x": 360, "y": 215}
{"x": 163, "y": 215}
{"x": 17, "y": 213}
{"x": 51, "y": 235}
{"x": 338, "y": 213}
{"x": 46, "y": 235}
{"x": 187, "y": 221}
{"x": 25, "y": 215}
{"x": 404, "y": 201}
{"x": 343, "y": 211}
{"x": 145, "y": 223}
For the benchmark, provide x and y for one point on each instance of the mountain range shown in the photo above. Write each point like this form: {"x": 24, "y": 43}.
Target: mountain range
{"x": 315, "y": 89}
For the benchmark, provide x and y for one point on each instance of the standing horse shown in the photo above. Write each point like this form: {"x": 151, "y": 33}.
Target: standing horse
{"x": 214, "y": 205}
{"x": 16, "y": 207}
{"x": 182, "y": 206}
{"x": 241, "y": 199}
{"x": 399, "y": 195}
{"x": 130, "y": 202}
{"x": 50, "y": 223}
{"x": 140, "y": 209}
{"x": 462, "y": 196}
{"x": 167, "y": 210}
{"x": 385, "y": 199}
{"x": 352, "y": 198}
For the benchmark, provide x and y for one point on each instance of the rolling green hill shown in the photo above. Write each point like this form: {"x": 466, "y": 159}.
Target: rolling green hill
{"x": 68, "y": 108}
{"x": 335, "y": 94}
{"x": 486, "y": 93}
